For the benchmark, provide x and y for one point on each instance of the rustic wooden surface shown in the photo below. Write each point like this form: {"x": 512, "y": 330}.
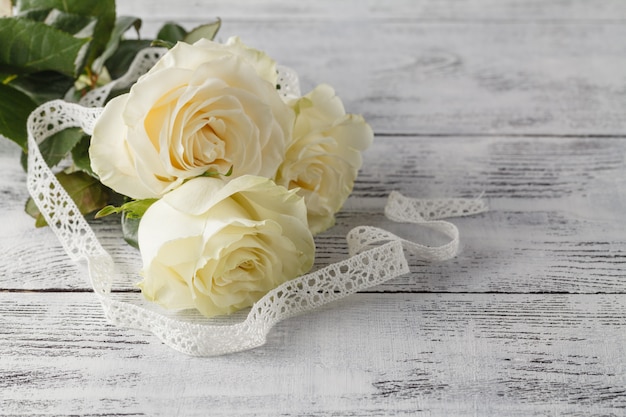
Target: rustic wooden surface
{"x": 522, "y": 102}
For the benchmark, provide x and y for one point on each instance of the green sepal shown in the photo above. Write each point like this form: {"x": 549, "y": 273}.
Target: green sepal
{"x": 133, "y": 209}
{"x": 130, "y": 229}
{"x": 160, "y": 43}
{"x": 217, "y": 174}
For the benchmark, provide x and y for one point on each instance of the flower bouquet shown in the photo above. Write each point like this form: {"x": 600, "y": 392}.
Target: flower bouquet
{"x": 221, "y": 170}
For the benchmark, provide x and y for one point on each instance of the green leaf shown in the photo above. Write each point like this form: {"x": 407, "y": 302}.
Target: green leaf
{"x": 27, "y": 46}
{"x": 36, "y": 15}
{"x": 15, "y": 107}
{"x": 102, "y": 10}
{"x": 206, "y": 31}
{"x": 172, "y": 33}
{"x": 56, "y": 147}
{"x": 119, "y": 62}
{"x": 80, "y": 156}
{"x": 80, "y": 26}
{"x": 42, "y": 86}
{"x": 87, "y": 192}
{"x": 122, "y": 25}
{"x": 75, "y": 24}
{"x": 33, "y": 211}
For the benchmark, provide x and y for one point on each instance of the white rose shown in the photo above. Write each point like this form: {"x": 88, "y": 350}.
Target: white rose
{"x": 6, "y": 8}
{"x": 202, "y": 107}
{"x": 324, "y": 158}
{"x": 220, "y": 247}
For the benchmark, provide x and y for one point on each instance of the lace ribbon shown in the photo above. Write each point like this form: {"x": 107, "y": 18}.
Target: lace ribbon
{"x": 376, "y": 255}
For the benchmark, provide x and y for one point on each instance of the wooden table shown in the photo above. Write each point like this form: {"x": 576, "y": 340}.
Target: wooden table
{"x": 523, "y": 102}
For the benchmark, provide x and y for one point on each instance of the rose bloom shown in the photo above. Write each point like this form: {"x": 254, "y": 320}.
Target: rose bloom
{"x": 202, "y": 107}
{"x": 324, "y": 157}
{"x": 219, "y": 247}
{"x": 6, "y": 8}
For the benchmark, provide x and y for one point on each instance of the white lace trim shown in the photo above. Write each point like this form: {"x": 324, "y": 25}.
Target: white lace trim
{"x": 376, "y": 255}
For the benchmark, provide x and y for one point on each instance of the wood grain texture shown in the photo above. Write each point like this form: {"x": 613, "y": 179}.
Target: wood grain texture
{"x": 371, "y": 355}
{"x": 555, "y": 223}
{"x": 520, "y": 101}
{"x": 509, "y": 10}
{"x": 470, "y": 76}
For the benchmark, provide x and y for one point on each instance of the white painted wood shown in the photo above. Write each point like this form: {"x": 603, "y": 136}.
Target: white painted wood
{"x": 509, "y": 10}
{"x": 370, "y": 355}
{"x": 520, "y": 101}
{"x": 556, "y": 221}
{"x": 456, "y": 75}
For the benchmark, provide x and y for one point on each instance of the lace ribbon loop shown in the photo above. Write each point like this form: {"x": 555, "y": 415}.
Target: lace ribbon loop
{"x": 421, "y": 212}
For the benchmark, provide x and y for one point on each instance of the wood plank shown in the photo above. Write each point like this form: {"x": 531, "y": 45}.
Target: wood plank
{"x": 555, "y": 223}
{"x": 556, "y": 206}
{"x": 162, "y": 10}
{"x": 451, "y": 77}
{"x": 371, "y": 355}
{"x": 518, "y": 100}
{"x": 461, "y": 78}
{"x": 557, "y": 77}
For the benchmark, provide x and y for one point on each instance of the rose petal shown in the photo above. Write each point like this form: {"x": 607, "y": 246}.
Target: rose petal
{"x": 110, "y": 155}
